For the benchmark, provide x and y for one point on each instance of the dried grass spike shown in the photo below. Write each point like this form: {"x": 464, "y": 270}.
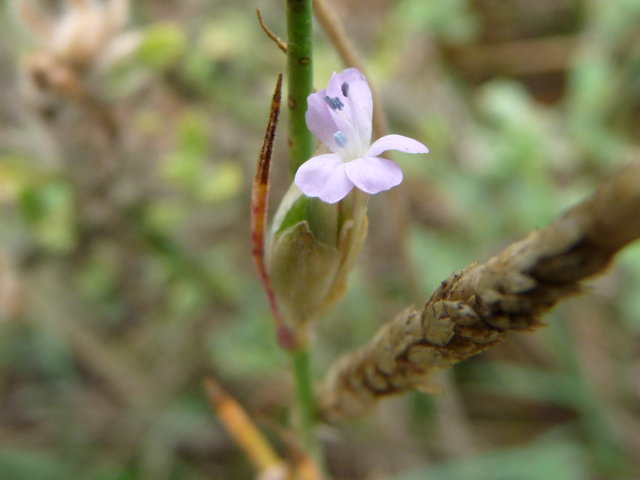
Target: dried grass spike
{"x": 476, "y": 307}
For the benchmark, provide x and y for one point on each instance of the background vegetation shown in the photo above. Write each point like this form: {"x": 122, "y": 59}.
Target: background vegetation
{"x": 125, "y": 268}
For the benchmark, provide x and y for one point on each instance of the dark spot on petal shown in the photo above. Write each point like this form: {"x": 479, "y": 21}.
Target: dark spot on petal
{"x": 304, "y": 61}
{"x": 334, "y": 102}
{"x": 340, "y": 139}
{"x": 345, "y": 89}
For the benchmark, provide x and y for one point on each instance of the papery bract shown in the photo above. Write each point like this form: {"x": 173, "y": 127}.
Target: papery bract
{"x": 340, "y": 117}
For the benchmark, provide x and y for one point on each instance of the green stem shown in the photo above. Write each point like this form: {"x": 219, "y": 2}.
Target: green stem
{"x": 301, "y": 146}
{"x": 299, "y": 79}
{"x": 306, "y": 409}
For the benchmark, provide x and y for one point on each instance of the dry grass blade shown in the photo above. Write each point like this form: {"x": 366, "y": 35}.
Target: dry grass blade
{"x": 302, "y": 465}
{"x": 244, "y": 431}
{"x": 475, "y": 308}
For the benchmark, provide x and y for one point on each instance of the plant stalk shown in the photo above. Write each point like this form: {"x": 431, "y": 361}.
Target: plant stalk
{"x": 299, "y": 79}
{"x": 305, "y": 401}
{"x": 301, "y": 146}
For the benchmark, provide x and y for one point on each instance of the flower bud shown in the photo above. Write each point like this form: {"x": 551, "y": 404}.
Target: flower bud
{"x": 311, "y": 248}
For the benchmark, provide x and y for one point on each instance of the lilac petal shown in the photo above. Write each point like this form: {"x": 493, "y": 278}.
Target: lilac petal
{"x": 396, "y": 142}
{"x": 319, "y": 119}
{"x": 324, "y": 176}
{"x": 351, "y": 88}
{"x": 373, "y": 174}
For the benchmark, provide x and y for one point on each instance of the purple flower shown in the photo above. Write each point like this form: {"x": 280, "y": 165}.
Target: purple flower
{"x": 340, "y": 117}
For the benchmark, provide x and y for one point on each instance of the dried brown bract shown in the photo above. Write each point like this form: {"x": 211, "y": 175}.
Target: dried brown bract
{"x": 476, "y": 307}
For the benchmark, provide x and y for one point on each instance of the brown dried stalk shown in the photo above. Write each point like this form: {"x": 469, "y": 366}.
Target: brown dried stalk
{"x": 244, "y": 431}
{"x": 476, "y": 307}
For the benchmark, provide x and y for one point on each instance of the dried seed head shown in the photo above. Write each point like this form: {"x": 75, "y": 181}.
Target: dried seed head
{"x": 476, "y": 307}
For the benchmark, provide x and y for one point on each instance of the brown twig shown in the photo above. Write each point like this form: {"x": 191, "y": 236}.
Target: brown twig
{"x": 476, "y": 307}
{"x": 330, "y": 23}
{"x": 279, "y": 43}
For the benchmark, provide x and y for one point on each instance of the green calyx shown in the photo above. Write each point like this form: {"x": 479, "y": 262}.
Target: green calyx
{"x": 312, "y": 247}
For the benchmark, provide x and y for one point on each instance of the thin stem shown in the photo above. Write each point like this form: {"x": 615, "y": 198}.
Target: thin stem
{"x": 299, "y": 78}
{"x": 305, "y": 399}
{"x": 300, "y": 85}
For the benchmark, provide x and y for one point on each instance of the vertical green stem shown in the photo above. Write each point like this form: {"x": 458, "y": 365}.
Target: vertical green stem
{"x": 299, "y": 79}
{"x": 300, "y": 85}
{"x": 306, "y": 410}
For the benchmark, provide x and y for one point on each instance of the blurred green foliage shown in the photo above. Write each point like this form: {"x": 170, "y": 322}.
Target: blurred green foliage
{"x": 162, "y": 45}
{"x": 125, "y": 268}
{"x": 547, "y": 458}
{"x": 451, "y": 21}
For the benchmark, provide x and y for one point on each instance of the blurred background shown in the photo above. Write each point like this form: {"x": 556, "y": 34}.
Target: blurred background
{"x": 125, "y": 270}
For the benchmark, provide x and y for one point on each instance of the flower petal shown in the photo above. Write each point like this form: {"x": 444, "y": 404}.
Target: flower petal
{"x": 373, "y": 174}
{"x": 319, "y": 119}
{"x": 353, "y": 117}
{"x": 324, "y": 176}
{"x": 396, "y": 142}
